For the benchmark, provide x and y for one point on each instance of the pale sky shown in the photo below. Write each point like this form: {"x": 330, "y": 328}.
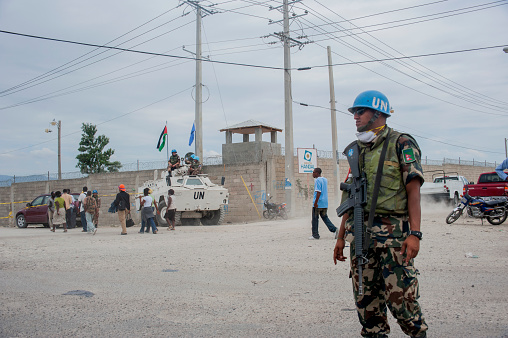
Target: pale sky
{"x": 454, "y": 104}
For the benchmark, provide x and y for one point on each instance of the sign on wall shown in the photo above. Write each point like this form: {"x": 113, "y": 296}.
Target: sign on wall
{"x": 307, "y": 160}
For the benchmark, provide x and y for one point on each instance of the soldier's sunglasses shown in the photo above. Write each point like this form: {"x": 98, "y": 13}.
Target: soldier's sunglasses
{"x": 359, "y": 112}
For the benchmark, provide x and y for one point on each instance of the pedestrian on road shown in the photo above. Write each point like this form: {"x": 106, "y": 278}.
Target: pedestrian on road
{"x": 390, "y": 161}
{"x": 82, "y": 213}
{"x": 95, "y": 195}
{"x": 51, "y": 209}
{"x": 59, "y": 216}
{"x": 320, "y": 204}
{"x": 170, "y": 210}
{"x": 122, "y": 202}
{"x": 70, "y": 214}
{"x": 147, "y": 211}
{"x": 90, "y": 208}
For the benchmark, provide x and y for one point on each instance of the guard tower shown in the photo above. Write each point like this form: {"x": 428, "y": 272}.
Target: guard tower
{"x": 250, "y": 151}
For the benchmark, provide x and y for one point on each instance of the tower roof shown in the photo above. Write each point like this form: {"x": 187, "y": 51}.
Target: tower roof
{"x": 249, "y": 127}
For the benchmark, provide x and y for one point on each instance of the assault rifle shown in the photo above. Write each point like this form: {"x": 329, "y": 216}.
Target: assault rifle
{"x": 357, "y": 199}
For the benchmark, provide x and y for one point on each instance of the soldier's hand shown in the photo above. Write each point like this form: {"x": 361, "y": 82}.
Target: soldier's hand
{"x": 338, "y": 252}
{"x": 410, "y": 248}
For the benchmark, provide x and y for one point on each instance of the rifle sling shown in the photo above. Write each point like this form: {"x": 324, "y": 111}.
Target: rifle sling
{"x": 375, "y": 193}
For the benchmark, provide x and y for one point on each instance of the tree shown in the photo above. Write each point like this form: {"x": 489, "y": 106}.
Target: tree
{"x": 93, "y": 159}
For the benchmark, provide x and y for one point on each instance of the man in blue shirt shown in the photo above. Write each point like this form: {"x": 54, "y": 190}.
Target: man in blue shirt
{"x": 500, "y": 170}
{"x": 320, "y": 205}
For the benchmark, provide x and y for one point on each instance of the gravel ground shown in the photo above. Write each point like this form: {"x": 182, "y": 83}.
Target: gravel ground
{"x": 262, "y": 279}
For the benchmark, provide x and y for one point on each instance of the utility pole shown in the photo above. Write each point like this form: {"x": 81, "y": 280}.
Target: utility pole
{"x": 198, "y": 117}
{"x": 505, "y": 148}
{"x": 288, "y": 42}
{"x": 288, "y": 113}
{"x": 334, "y": 127}
{"x": 59, "y": 149}
{"x": 59, "y": 126}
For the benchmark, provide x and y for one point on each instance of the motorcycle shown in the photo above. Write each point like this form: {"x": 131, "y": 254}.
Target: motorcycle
{"x": 495, "y": 211}
{"x": 273, "y": 210}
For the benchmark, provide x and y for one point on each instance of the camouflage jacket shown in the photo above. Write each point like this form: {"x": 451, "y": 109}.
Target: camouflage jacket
{"x": 174, "y": 159}
{"x": 402, "y": 164}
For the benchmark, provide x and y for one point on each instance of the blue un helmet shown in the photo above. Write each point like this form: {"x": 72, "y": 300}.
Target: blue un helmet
{"x": 196, "y": 158}
{"x": 193, "y": 156}
{"x": 374, "y": 100}
{"x": 173, "y": 151}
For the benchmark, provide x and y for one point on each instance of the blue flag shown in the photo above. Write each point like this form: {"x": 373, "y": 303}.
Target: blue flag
{"x": 192, "y": 132}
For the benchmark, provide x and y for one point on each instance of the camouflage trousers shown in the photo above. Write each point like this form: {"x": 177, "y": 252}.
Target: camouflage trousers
{"x": 388, "y": 282}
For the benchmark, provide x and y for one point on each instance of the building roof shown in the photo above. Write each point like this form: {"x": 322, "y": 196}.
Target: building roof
{"x": 249, "y": 127}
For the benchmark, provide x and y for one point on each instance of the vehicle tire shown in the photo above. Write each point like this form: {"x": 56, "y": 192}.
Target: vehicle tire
{"x": 498, "y": 218}
{"x": 214, "y": 217}
{"x": 271, "y": 214}
{"x": 266, "y": 214}
{"x": 159, "y": 217}
{"x": 453, "y": 216}
{"x": 178, "y": 218}
{"x": 283, "y": 214}
{"x": 190, "y": 221}
{"x": 21, "y": 222}
{"x": 456, "y": 200}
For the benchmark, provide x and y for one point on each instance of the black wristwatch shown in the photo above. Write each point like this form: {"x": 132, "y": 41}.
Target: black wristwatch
{"x": 418, "y": 234}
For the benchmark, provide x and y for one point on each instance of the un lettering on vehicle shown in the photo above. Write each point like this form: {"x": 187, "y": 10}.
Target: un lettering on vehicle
{"x": 199, "y": 195}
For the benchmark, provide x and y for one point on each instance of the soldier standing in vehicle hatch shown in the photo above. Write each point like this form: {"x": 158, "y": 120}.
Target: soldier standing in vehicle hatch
{"x": 389, "y": 276}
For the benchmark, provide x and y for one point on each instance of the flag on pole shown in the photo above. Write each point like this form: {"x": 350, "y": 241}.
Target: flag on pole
{"x": 192, "y": 132}
{"x": 162, "y": 139}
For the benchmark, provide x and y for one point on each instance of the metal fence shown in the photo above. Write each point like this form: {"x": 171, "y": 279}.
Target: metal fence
{"x": 134, "y": 166}
{"x": 215, "y": 160}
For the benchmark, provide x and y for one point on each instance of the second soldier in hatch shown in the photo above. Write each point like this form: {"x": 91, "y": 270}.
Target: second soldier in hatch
{"x": 389, "y": 276}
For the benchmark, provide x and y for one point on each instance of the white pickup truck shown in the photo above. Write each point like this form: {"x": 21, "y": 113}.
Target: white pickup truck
{"x": 444, "y": 187}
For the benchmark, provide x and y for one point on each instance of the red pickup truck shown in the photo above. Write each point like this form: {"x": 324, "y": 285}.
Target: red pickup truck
{"x": 489, "y": 184}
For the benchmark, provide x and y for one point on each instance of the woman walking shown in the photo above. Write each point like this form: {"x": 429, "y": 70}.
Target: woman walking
{"x": 171, "y": 210}
{"x": 59, "y": 216}
{"x": 51, "y": 210}
{"x": 95, "y": 195}
{"x": 147, "y": 211}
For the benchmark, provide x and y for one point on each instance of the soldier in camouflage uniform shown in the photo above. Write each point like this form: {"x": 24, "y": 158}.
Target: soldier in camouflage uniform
{"x": 389, "y": 277}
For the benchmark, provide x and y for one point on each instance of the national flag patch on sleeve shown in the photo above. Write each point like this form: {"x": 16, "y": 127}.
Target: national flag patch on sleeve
{"x": 409, "y": 155}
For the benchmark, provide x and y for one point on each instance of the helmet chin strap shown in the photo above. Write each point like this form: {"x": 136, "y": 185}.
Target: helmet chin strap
{"x": 367, "y": 126}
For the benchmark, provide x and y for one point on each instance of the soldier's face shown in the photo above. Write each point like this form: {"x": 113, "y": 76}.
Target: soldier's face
{"x": 362, "y": 116}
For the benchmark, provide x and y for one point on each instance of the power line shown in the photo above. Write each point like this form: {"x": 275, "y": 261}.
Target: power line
{"x": 349, "y": 31}
{"x": 452, "y": 85}
{"x": 54, "y": 70}
{"x": 96, "y": 61}
{"x": 101, "y": 123}
{"x": 395, "y": 69}
{"x": 139, "y": 51}
{"x": 427, "y": 138}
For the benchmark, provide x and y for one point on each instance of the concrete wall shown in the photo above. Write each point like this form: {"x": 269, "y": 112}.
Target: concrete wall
{"x": 259, "y": 179}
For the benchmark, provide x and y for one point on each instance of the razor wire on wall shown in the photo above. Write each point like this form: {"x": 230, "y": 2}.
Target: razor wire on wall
{"x": 216, "y": 160}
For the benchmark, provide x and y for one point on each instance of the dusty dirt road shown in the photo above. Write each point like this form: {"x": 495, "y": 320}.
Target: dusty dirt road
{"x": 261, "y": 279}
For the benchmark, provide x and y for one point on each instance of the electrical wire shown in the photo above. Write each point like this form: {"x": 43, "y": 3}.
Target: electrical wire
{"x": 58, "y": 69}
{"x": 349, "y": 32}
{"x": 453, "y": 84}
{"x": 96, "y": 61}
{"x": 139, "y": 51}
{"x": 101, "y": 123}
{"x": 424, "y": 137}
{"x": 395, "y": 69}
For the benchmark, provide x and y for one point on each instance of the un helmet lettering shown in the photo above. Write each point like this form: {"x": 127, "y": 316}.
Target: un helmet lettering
{"x": 376, "y": 102}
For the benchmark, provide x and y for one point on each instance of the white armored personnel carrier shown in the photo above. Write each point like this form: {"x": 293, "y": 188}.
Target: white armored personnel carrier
{"x": 197, "y": 199}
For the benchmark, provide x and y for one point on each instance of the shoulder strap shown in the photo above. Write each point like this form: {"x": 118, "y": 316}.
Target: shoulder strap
{"x": 375, "y": 193}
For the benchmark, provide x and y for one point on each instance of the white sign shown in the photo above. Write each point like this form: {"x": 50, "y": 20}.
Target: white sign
{"x": 307, "y": 160}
